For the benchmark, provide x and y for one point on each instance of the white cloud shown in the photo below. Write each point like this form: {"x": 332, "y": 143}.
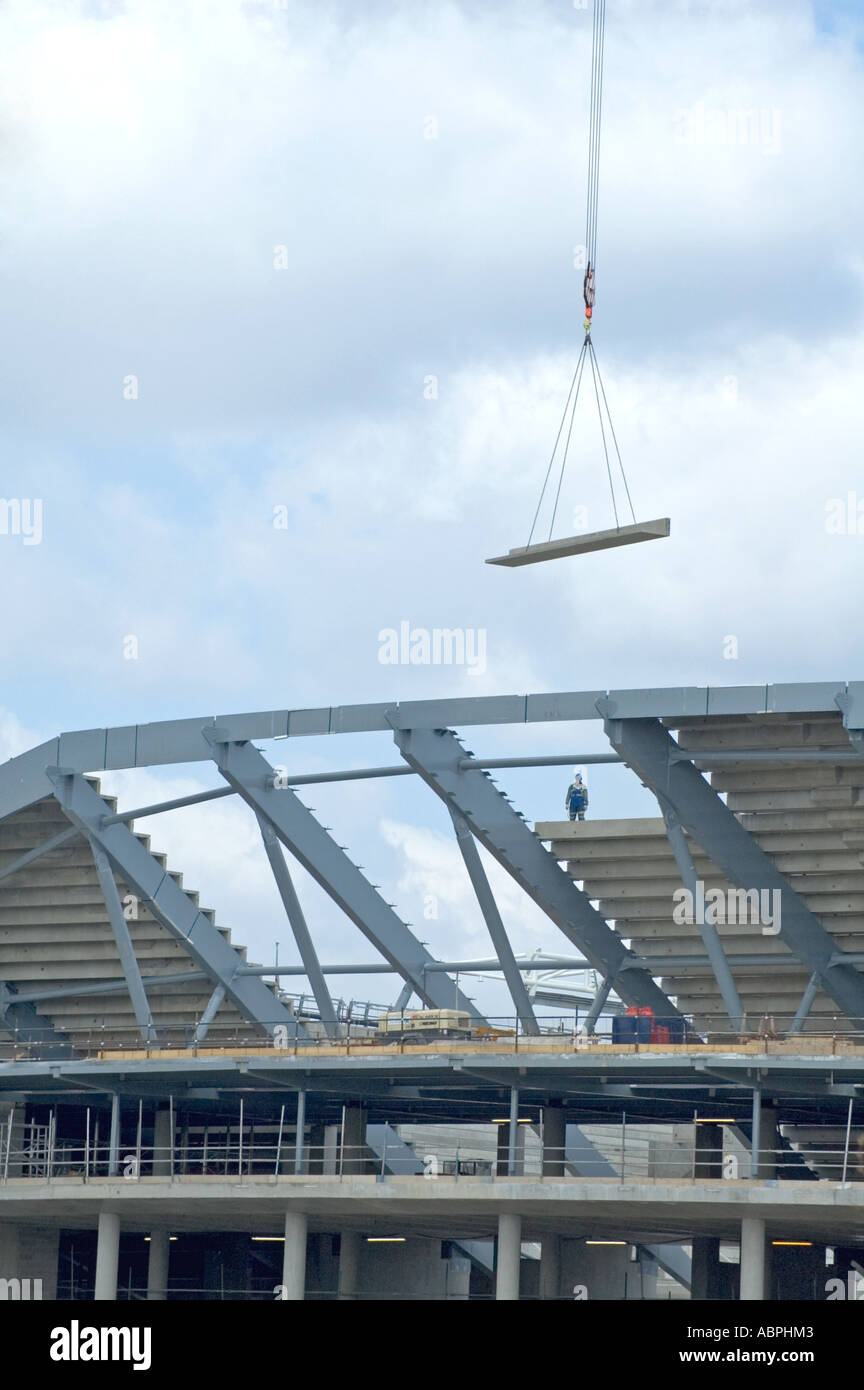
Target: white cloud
{"x": 155, "y": 154}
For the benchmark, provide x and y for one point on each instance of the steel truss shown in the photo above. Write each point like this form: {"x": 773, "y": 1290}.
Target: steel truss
{"x": 481, "y": 815}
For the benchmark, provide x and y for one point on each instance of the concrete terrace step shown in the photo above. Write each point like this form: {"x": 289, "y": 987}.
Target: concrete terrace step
{"x": 54, "y": 929}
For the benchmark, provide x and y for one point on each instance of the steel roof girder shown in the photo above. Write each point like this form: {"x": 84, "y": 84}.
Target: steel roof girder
{"x": 246, "y": 769}
{"x": 647, "y": 749}
{"x": 436, "y": 755}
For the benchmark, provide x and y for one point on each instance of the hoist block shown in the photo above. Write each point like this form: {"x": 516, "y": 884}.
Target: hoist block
{"x": 581, "y": 545}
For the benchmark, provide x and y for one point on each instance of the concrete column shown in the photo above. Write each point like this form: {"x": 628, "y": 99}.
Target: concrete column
{"x": 294, "y": 1256}
{"x": 15, "y": 1132}
{"x": 349, "y": 1264}
{"x": 705, "y": 1272}
{"x": 509, "y": 1256}
{"x": 752, "y": 1258}
{"x": 354, "y": 1139}
{"x": 157, "y": 1265}
{"x": 330, "y": 1157}
{"x": 769, "y": 1141}
{"x": 458, "y": 1278}
{"x": 550, "y": 1267}
{"x": 708, "y": 1151}
{"x": 10, "y": 1251}
{"x": 554, "y": 1139}
{"x": 502, "y": 1157}
{"x": 315, "y": 1149}
{"x": 107, "y": 1257}
{"x": 502, "y": 1150}
{"x": 162, "y": 1143}
{"x": 114, "y": 1138}
{"x": 30, "y": 1253}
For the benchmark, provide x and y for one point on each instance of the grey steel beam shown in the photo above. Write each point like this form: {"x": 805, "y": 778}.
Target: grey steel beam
{"x": 492, "y": 918}
{"x": 646, "y": 746}
{"x": 36, "y": 996}
{"x": 156, "y": 808}
{"x": 211, "y": 1009}
{"x": 24, "y": 780}
{"x": 246, "y": 769}
{"x": 709, "y": 933}
{"x": 437, "y": 755}
{"x": 596, "y": 1009}
{"x": 124, "y": 944}
{"x": 297, "y": 922}
{"x": 404, "y": 995}
{"x": 168, "y": 903}
{"x": 23, "y": 860}
{"x": 447, "y": 967}
{"x": 27, "y": 1026}
{"x": 803, "y": 1011}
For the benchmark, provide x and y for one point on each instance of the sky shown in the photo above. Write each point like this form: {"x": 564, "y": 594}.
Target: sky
{"x": 292, "y": 299}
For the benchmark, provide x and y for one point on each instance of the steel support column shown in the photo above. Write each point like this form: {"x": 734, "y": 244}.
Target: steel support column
{"x": 123, "y": 942}
{"x": 709, "y": 933}
{"x": 440, "y": 759}
{"x": 297, "y": 923}
{"x": 802, "y": 1013}
{"x": 603, "y": 991}
{"x": 492, "y": 917}
{"x": 212, "y": 1007}
{"x": 649, "y": 750}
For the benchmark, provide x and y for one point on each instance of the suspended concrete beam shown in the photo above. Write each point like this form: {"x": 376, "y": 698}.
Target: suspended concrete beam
{"x": 646, "y": 747}
{"x": 123, "y": 942}
{"x": 249, "y": 772}
{"x": 439, "y": 758}
{"x": 582, "y": 545}
{"x": 492, "y": 918}
{"x": 709, "y": 933}
{"x": 297, "y": 922}
{"x": 169, "y": 904}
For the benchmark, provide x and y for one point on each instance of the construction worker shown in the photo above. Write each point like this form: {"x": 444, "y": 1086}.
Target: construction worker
{"x": 576, "y": 799}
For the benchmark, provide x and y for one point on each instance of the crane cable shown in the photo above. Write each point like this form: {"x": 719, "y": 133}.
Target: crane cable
{"x": 598, "y": 40}
{"x": 595, "y": 122}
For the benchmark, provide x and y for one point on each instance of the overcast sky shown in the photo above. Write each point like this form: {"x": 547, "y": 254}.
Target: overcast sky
{"x": 291, "y": 305}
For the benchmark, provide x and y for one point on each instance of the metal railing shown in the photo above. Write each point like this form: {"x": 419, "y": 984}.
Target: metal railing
{"x": 623, "y": 1157}
{"x": 504, "y": 1032}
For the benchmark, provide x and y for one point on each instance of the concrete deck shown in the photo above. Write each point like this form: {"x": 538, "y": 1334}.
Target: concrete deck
{"x": 641, "y": 1210}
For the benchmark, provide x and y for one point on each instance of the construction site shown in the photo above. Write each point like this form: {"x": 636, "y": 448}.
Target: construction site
{"x": 670, "y": 1110}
